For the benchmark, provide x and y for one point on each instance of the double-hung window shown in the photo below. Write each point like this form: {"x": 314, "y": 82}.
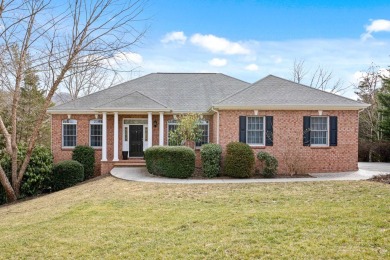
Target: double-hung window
{"x": 69, "y": 133}
{"x": 255, "y": 130}
{"x": 95, "y": 132}
{"x": 203, "y": 125}
{"x": 319, "y": 131}
{"x": 172, "y": 125}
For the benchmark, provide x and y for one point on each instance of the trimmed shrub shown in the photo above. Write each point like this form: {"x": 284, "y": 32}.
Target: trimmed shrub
{"x": 239, "y": 161}
{"x": 86, "y": 156}
{"x": 36, "y": 179}
{"x": 271, "y": 164}
{"x": 67, "y": 174}
{"x": 211, "y": 157}
{"x": 170, "y": 161}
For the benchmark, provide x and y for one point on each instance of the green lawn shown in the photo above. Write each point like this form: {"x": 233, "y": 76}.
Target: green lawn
{"x": 111, "y": 218}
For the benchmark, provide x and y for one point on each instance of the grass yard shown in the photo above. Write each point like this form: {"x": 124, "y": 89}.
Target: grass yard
{"x": 112, "y": 218}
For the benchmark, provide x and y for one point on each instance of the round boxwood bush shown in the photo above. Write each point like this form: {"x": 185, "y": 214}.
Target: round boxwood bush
{"x": 67, "y": 174}
{"x": 211, "y": 157}
{"x": 36, "y": 179}
{"x": 170, "y": 161}
{"x": 86, "y": 156}
{"x": 239, "y": 160}
{"x": 271, "y": 164}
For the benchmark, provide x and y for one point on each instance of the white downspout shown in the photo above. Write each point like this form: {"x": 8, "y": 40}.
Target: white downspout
{"x": 216, "y": 111}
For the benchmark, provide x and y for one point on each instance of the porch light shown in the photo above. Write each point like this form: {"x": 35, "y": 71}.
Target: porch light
{"x": 155, "y": 123}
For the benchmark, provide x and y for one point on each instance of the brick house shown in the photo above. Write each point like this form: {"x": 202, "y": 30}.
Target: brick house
{"x": 299, "y": 125}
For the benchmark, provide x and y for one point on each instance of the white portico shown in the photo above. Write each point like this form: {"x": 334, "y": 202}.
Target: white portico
{"x": 132, "y": 132}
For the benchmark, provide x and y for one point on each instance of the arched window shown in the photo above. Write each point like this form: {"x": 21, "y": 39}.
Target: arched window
{"x": 95, "y": 132}
{"x": 69, "y": 133}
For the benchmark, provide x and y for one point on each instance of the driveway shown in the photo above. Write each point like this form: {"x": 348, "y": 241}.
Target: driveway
{"x": 366, "y": 171}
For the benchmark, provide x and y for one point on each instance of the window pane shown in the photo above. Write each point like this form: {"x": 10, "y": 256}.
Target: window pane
{"x": 255, "y": 130}
{"x": 69, "y": 133}
{"x": 96, "y": 134}
{"x": 319, "y": 130}
{"x": 205, "y": 133}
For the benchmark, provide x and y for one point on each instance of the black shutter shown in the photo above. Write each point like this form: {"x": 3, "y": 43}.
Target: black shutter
{"x": 333, "y": 131}
{"x": 242, "y": 129}
{"x": 269, "y": 130}
{"x": 306, "y": 131}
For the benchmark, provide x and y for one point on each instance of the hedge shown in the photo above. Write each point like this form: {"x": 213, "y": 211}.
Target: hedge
{"x": 86, "y": 156}
{"x": 211, "y": 158}
{"x": 239, "y": 161}
{"x": 170, "y": 161}
{"x": 67, "y": 174}
{"x": 271, "y": 164}
{"x": 36, "y": 179}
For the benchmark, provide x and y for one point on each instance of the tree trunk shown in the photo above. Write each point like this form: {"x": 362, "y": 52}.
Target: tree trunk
{"x": 11, "y": 196}
{"x": 370, "y": 155}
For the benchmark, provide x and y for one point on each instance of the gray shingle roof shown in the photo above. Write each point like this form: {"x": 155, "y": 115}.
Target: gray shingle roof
{"x": 198, "y": 92}
{"x": 273, "y": 92}
{"x": 179, "y": 92}
{"x": 135, "y": 100}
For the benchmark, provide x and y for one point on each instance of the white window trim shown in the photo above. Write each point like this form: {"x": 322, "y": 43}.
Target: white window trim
{"x": 95, "y": 147}
{"x": 246, "y": 132}
{"x": 62, "y": 138}
{"x": 327, "y": 133}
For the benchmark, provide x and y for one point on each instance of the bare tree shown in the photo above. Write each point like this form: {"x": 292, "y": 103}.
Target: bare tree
{"x": 321, "y": 78}
{"x": 88, "y": 77}
{"x": 58, "y": 39}
{"x": 367, "y": 89}
{"x": 299, "y": 71}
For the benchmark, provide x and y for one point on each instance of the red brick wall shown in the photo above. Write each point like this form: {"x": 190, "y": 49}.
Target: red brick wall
{"x": 288, "y": 140}
{"x": 61, "y": 154}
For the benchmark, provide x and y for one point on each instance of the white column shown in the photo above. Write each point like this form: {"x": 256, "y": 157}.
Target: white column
{"x": 116, "y": 137}
{"x": 161, "y": 132}
{"x": 104, "y": 137}
{"x": 150, "y": 129}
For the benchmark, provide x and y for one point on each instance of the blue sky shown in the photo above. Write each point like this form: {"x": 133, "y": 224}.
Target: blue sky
{"x": 250, "y": 39}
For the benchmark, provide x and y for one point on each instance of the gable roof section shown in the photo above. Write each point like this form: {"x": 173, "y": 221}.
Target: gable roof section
{"x": 133, "y": 101}
{"x": 273, "y": 92}
{"x": 176, "y": 92}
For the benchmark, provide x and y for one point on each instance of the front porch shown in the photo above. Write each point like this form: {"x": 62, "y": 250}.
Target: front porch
{"x": 131, "y": 134}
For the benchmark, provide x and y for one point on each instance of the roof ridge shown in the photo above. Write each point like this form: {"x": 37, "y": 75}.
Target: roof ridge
{"x": 102, "y": 90}
{"x": 307, "y": 86}
{"x": 135, "y": 91}
{"x": 241, "y": 90}
{"x": 151, "y": 99}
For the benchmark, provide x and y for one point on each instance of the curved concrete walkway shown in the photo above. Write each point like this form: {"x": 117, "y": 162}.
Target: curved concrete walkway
{"x": 366, "y": 171}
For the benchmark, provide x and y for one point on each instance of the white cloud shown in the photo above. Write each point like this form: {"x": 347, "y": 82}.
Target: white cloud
{"x": 125, "y": 58}
{"x": 218, "y": 62}
{"x": 380, "y": 25}
{"x": 177, "y": 37}
{"x": 252, "y": 67}
{"x": 218, "y": 45}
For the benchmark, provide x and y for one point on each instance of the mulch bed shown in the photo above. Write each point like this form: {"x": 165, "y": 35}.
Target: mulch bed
{"x": 381, "y": 178}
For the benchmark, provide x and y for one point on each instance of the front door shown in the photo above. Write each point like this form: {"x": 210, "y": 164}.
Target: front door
{"x": 136, "y": 142}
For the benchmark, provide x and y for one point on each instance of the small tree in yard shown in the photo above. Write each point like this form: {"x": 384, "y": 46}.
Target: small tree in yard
{"x": 187, "y": 131}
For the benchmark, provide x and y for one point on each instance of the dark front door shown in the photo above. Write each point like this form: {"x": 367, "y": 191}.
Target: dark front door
{"x": 136, "y": 142}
